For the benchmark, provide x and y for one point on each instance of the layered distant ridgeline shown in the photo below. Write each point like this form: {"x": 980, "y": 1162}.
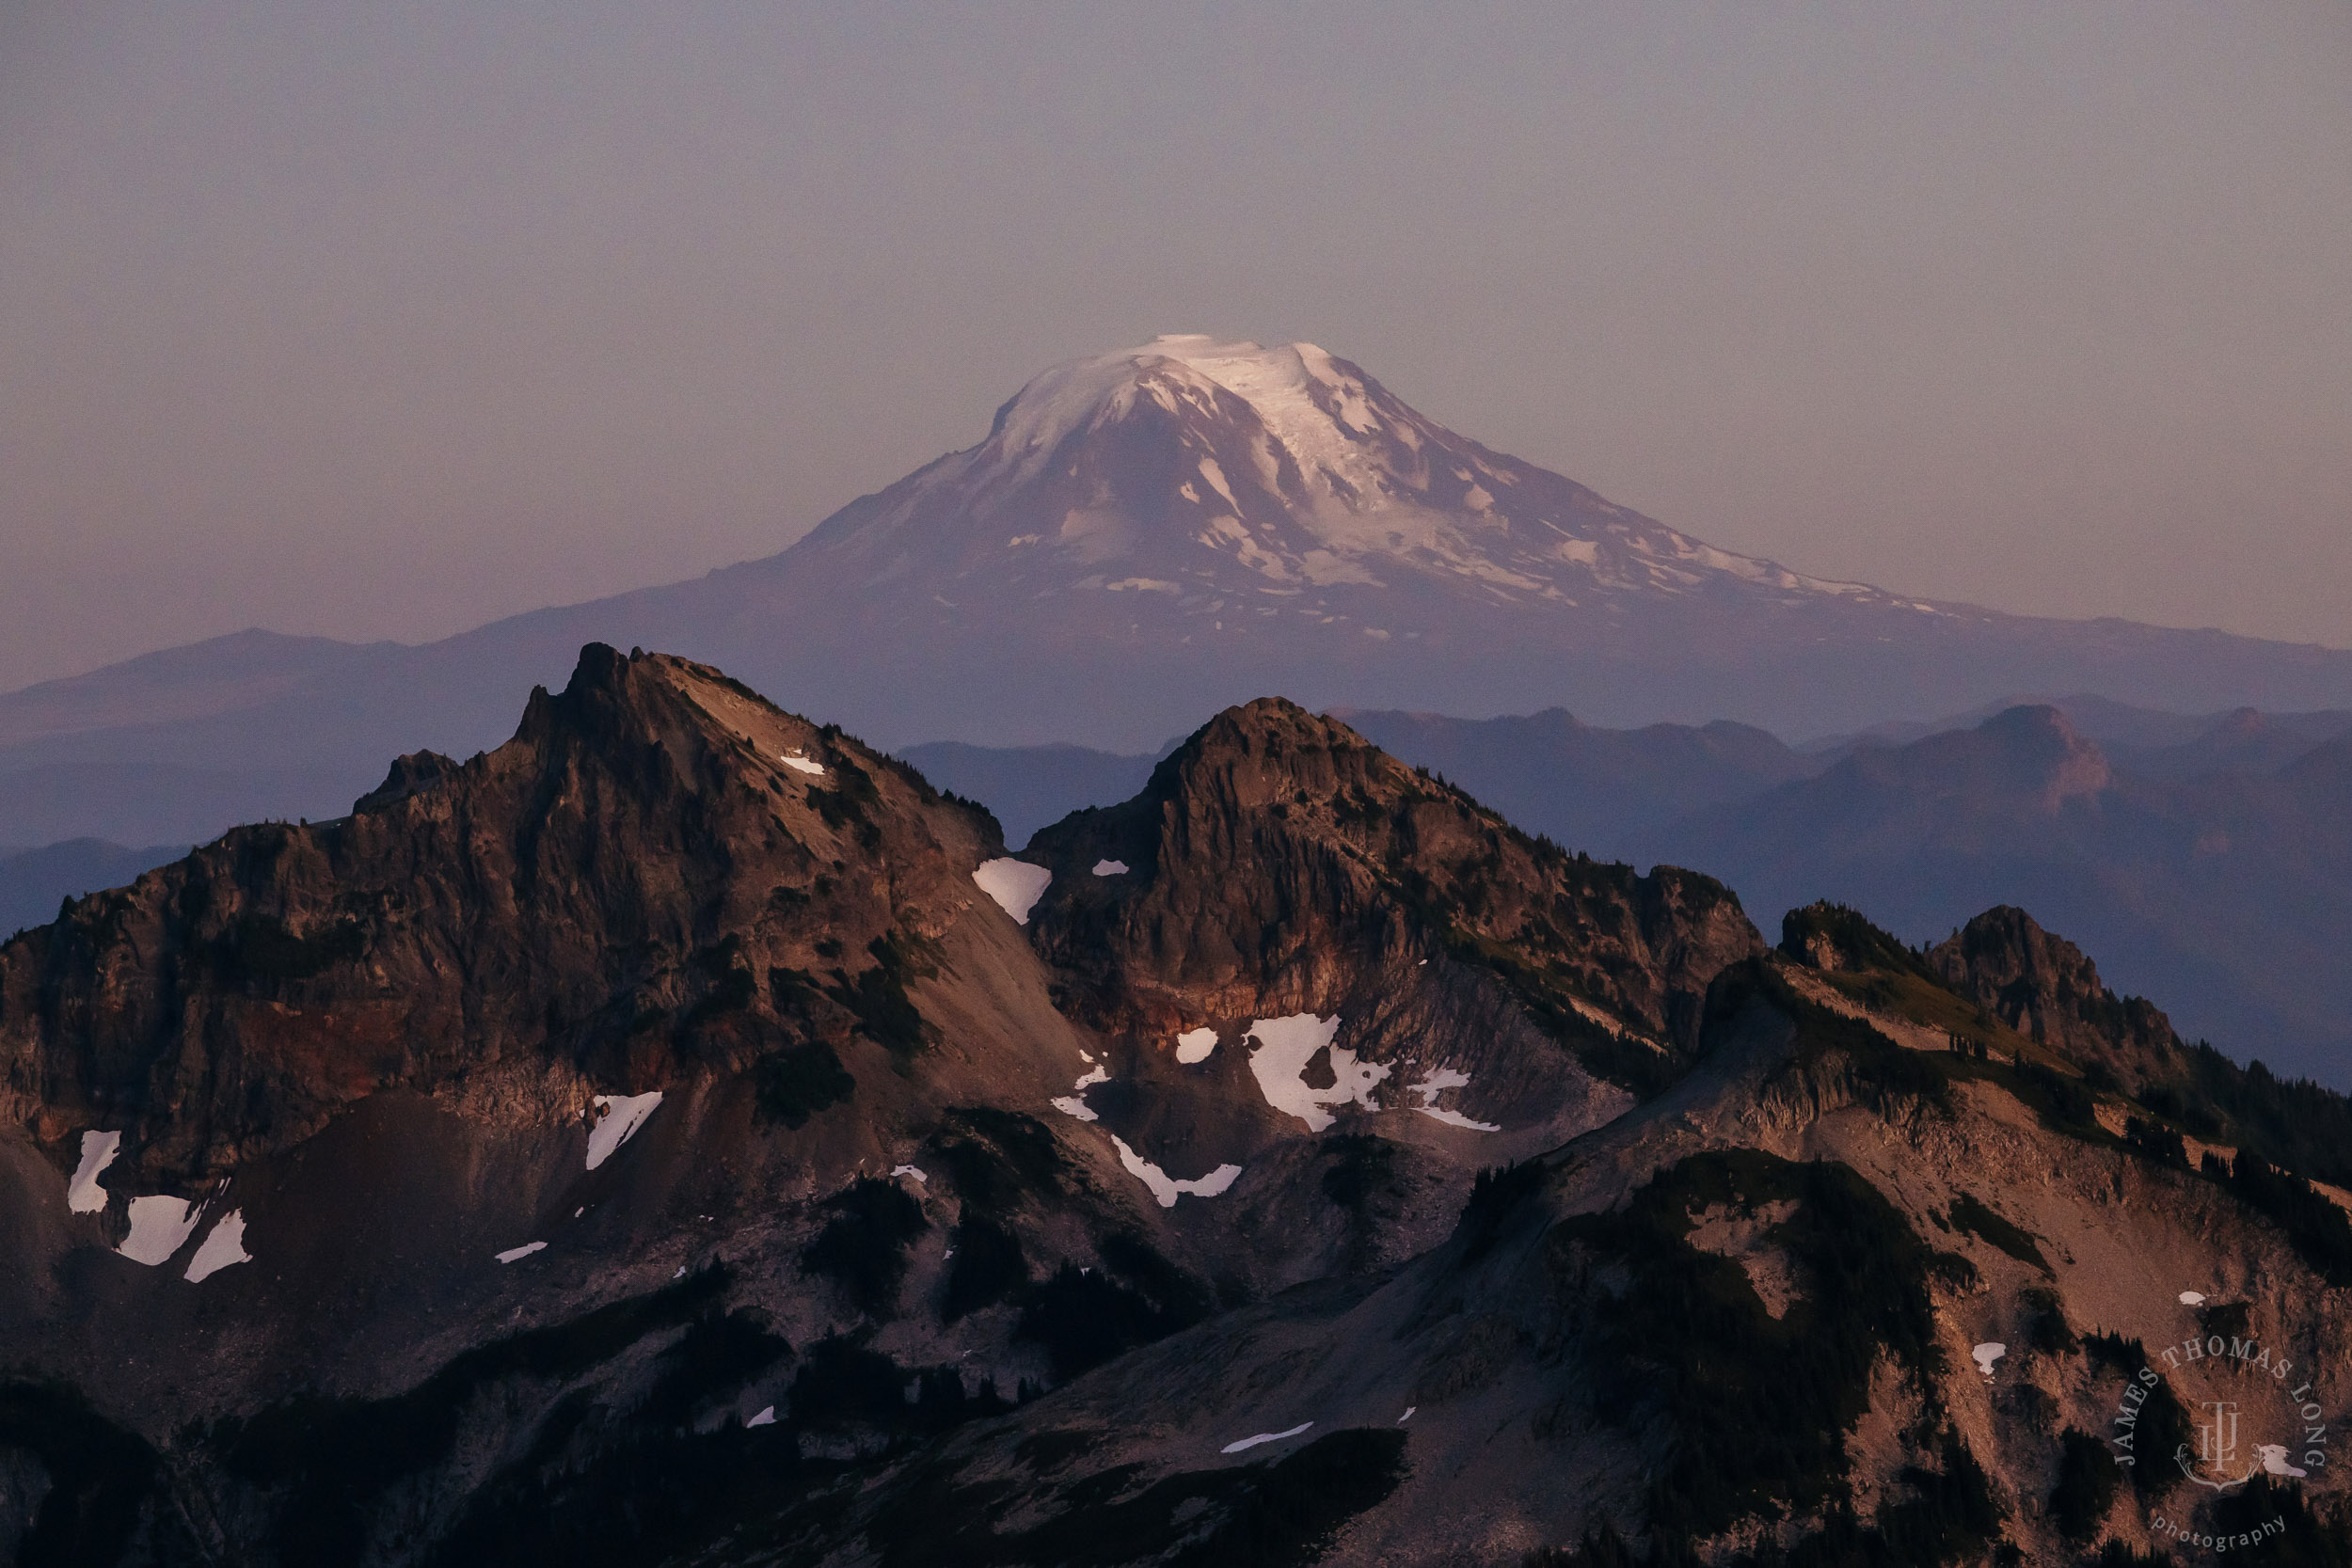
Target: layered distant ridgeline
{"x": 683, "y": 1135}
{"x": 33, "y": 883}
{"x": 1140, "y": 539}
{"x": 2208, "y": 858}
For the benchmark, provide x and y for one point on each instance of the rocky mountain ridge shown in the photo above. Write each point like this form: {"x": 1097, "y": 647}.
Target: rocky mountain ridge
{"x": 1800, "y": 1307}
{"x": 2225, "y": 888}
{"x": 684, "y": 1136}
{"x": 2211, "y": 864}
{"x": 674, "y": 1011}
{"x": 242, "y": 996}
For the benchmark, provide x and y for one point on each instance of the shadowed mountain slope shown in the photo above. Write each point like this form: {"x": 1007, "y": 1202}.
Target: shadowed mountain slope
{"x": 1844, "y": 1293}
{"x": 1599, "y": 789}
{"x": 476, "y": 1166}
{"x": 681, "y": 1135}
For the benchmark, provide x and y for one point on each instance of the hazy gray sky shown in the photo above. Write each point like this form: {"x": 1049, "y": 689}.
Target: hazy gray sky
{"x": 385, "y": 319}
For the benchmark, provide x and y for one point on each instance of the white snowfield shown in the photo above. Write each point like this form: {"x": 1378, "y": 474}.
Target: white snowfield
{"x": 2274, "y": 1458}
{"x": 1438, "y": 1081}
{"x": 1111, "y": 868}
{"x": 1285, "y": 1046}
{"x": 2192, "y": 1298}
{"x": 799, "y": 763}
{"x": 222, "y": 1247}
{"x": 908, "y": 1170}
{"x": 1316, "y": 414}
{"x": 1194, "y": 1045}
{"x": 1167, "y": 1188}
{"x": 767, "y": 1417}
{"x": 1456, "y": 1119}
{"x": 1074, "y": 1104}
{"x": 158, "y": 1226}
{"x": 84, "y": 1196}
{"x": 1016, "y": 885}
{"x": 515, "y": 1254}
{"x": 620, "y": 1117}
{"x": 1264, "y": 1437}
{"x": 1988, "y": 1354}
{"x": 1377, "y": 489}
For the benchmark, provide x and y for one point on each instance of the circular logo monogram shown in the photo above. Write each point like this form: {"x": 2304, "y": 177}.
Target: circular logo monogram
{"x": 2250, "y": 1414}
{"x": 2222, "y": 1408}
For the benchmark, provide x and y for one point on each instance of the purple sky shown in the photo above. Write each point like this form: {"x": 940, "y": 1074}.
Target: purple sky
{"x": 383, "y": 321}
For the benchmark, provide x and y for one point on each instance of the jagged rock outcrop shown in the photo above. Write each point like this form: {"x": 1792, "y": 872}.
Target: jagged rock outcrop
{"x": 1275, "y": 848}
{"x": 1288, "y": 934}
{"x": 620, "y": 887}
{"x": 311, "y": 1105}
{"x": 1249, "y": 1174}
{"x": 1893, "y": 1323}
{"x": 2046, "y": 988}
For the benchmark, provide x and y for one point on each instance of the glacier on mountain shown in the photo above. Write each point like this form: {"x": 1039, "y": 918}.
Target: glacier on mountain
{"x": 1213, "y": 468}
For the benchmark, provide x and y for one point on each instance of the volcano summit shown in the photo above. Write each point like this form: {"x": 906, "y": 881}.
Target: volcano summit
{"x": 1142, "y": 538}
{"x": 1236, "y": 485}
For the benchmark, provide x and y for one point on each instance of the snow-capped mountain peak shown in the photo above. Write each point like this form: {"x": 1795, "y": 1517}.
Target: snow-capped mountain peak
{"x": 1340, "y": 437}
{"x": 1215, "y": 476}
{"x": 1293, "y": 390}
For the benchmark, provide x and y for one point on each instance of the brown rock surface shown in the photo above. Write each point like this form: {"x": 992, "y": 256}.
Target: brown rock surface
{"x": 1439, "y": 1286}
{"x": 2046, "y": 988}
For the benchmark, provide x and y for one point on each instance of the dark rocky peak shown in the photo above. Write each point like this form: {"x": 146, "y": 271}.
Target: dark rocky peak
{"x": 1262, "y": 754}
{"x": 1833, "y": 938}
{"x": 1278, "y": 863}
{"x": 407, "y": 775}
{"x": 2048, "y": 990}
{"x": 619, "y": 709}
{"x": 608, "y": 899}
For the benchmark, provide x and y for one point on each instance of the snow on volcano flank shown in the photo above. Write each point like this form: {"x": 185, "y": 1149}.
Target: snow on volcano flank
{"x": 1316, "y": 434}
{"x": 1218, "y": 489}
